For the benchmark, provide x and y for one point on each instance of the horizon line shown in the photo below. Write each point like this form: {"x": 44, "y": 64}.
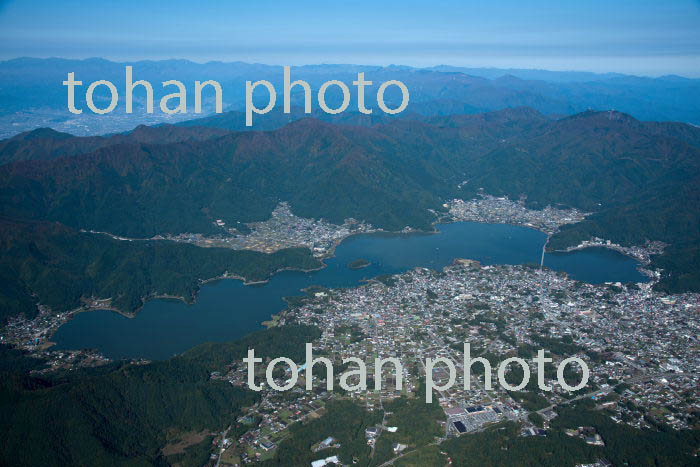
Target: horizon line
{"x": 389, "y": 65}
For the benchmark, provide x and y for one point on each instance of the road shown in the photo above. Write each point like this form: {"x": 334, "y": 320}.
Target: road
{"x": 569, "y": 401}
{"x": 222, "y": 449}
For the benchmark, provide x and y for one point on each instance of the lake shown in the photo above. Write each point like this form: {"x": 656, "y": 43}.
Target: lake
{"x": 226, "y": 310}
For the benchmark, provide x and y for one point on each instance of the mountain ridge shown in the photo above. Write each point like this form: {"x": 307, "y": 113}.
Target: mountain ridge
{"x": 25, "y": 88}
{"x": 638, "y": 178}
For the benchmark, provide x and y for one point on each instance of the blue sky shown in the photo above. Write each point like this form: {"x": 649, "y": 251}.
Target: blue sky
{"x": 632, "y": 36}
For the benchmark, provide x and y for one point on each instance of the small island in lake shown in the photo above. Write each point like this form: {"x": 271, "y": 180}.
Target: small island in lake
{"x": 359, "y": 264}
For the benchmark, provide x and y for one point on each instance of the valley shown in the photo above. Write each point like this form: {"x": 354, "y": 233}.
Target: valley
{"x": 368, "y": 234}
{"x": 590, "y": 228}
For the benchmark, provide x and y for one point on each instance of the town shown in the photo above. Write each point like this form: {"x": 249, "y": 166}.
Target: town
{"x": 501, "y": 210}
{"x": 282, "y": 230}
{"x": 641, "y": 347}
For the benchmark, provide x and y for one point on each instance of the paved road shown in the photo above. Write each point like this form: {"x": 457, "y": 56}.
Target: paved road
{"x": 638, "y": 378}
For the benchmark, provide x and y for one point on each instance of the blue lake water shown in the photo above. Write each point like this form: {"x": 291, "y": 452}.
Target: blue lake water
{"x": 227, "y": 309}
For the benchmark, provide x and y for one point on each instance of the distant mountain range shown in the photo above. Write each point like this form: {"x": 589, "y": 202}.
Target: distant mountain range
{"x": 32, "y": 95}
{"x": 640, "y": 179}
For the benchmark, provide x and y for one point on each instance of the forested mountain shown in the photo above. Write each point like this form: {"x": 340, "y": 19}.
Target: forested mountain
{"x": 124, "y": 414}
{"x": 45, "y": 143}
{"x": 639, "y": 179}
{"x": 56, "y": 266}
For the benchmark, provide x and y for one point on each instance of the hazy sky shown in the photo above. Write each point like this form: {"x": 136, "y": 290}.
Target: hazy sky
{"x": 651, "y": 37}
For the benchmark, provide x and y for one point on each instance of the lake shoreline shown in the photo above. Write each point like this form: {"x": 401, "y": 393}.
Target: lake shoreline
{"x": 441, "y": 250}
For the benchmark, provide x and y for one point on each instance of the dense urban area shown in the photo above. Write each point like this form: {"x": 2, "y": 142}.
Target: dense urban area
{"x": 641, "y": 349}
{"x": 641, "y": 346}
